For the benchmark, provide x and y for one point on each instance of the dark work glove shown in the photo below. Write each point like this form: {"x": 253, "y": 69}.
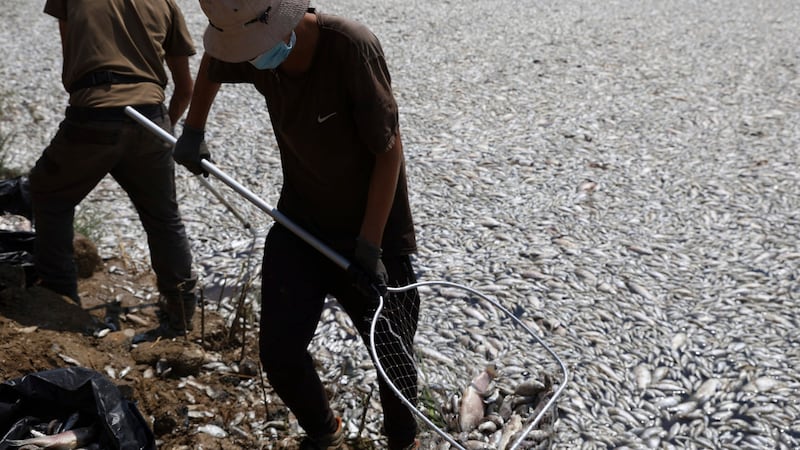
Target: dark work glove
{"x": 370, "y": 276}
{"x": 190, "y": 149}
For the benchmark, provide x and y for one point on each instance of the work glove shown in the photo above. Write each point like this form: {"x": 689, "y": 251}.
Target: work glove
{"x": 190, "y": 149}
{"x": 369, "y": 275}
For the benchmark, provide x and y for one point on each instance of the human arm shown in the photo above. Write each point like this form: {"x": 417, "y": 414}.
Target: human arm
{"x": 382, "y": 187}
{"x": 182, "y": 78}
{"x": 376, "y": 113}
{"x": 205, "y": 91}
{"x": 380, "y": 197}
{"x": 191, "y": 148}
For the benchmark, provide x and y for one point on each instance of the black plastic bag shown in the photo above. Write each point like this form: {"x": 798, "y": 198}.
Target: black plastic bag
{"x": 55, "y": 394}
{"x": 16, "y": 250}
{"x": 17, "y": 247}
{"x": 16, "y": 241}
{"x": 15, "y": 197}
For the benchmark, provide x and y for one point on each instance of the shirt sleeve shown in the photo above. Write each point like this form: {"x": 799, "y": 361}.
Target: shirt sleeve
{"x": 375, "y": 108}
{"x": 178, "y": 41}
{"x": 56, "y": 8}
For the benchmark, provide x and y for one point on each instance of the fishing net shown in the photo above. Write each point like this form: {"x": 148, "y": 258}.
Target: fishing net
{"x": 463, "y": 339}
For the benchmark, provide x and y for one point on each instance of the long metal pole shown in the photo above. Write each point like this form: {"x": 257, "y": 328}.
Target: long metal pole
{"x": 279, "y": 217}
{"x": 160, "y": 132}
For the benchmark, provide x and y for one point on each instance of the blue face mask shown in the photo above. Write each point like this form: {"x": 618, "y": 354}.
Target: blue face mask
{"x": 273, "y": 57}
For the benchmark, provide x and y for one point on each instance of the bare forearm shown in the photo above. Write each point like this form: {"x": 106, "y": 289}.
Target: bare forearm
{"x": 205, "y": 90}
{"x": 382, "y": 187}
{"x": 182, "y": 78}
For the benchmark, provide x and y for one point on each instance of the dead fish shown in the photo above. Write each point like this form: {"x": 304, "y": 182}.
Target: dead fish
{"x": 512, "y": 427}
{"x": 67, "y": 440}
{"x": 642, "y": 375}
{"x": 638, "y": 289}
{"x": 471, "y": 411}
{"x": 587, "y": 185}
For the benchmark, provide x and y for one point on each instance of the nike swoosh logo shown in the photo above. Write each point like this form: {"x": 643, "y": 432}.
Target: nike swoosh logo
{"x": 321, "y": 119}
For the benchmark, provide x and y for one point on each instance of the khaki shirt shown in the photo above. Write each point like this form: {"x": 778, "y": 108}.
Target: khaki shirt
{"x": 130, "y": 37}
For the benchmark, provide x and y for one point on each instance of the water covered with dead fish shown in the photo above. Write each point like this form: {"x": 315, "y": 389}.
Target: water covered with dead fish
{"x": 622, "y": 175}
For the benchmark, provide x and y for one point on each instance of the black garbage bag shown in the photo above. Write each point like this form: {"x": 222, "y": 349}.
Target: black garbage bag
{"x": 15, "y": 197}
{"x": 16, "y": 250}
{"x": 56, "y": 394}
{"x": 16, "y": 247}
{"x": 16, "y": 241}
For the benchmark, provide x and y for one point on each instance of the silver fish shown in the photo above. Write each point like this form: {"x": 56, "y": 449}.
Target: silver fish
{"x": 471, "y": 410}
{"x": 512, "y": 427}
{"x": 68, "y": 440}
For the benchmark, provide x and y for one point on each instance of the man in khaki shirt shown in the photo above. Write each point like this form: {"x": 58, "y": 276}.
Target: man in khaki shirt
{"x": 114, "y": 53}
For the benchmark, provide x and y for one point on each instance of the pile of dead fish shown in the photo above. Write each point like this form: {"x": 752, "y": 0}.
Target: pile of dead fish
{"x": 622, "y": 175}
{"x": 483, "y": 378}
{"x": 490, "y": 416}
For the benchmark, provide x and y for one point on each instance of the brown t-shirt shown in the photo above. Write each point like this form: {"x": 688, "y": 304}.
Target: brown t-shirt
{"x": 329, "y": 123}
{"x": 129, "y": 37}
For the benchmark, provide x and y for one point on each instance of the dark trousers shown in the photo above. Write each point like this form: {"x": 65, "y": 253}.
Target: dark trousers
{"x": 83, "y": 151}
{"x": 295, "y": 281}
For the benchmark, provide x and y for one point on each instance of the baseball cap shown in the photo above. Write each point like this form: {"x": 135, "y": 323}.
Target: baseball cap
{"x": 240, "y": 30}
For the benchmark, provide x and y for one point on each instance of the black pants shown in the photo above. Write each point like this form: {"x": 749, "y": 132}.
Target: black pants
{"x": 296, "y": 280}
{"x": 84, "y": 151}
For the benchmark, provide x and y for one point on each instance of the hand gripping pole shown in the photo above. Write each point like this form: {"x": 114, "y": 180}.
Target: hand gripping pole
{"x": 244, "y": 192}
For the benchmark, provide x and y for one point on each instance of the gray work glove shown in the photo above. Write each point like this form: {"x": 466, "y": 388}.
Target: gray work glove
{"x": 190, "y": 149}
{"x": 370, "y": 275}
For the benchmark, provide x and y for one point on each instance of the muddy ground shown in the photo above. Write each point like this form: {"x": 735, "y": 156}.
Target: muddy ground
{"x": 40, "y": 330}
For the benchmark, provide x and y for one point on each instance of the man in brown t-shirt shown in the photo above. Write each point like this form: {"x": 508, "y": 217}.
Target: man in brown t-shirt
{"x": 114, "y": 53}
{"x": 331, "y": 106}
